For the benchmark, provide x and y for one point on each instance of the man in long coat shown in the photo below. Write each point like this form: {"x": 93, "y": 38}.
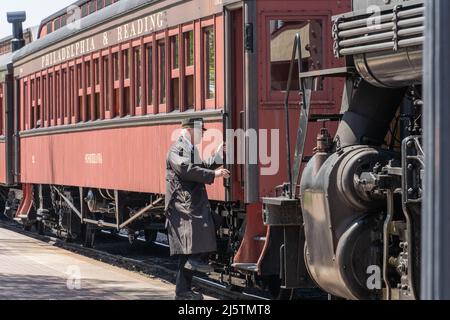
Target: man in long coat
{"x": 190, "y": 224}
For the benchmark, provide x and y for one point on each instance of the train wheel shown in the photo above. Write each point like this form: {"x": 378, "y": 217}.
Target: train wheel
{"x": 150, "y": 235}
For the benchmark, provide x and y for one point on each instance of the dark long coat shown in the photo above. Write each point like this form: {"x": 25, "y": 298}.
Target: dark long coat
{"x": 190, "y": 224}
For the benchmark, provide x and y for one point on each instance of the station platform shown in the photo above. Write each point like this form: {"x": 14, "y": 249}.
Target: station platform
{"x": 35, "y": 270}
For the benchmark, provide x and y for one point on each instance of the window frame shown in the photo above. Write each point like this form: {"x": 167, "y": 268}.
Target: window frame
{"x": 188, "y": 70}
{"x": 151, "y": 106}
{"x": 162, "y": 37}
{"x": 175, "y": 72}
{"x": 208, "y": 103}
{"x": 273, "y": 99}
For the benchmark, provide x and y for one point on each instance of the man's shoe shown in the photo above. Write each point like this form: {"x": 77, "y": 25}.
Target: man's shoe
{"x": 196, "y": 265}
{"x": 189, "y": 295}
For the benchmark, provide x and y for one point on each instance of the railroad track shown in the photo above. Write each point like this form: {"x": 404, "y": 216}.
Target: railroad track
{"x": 152, "y": 266}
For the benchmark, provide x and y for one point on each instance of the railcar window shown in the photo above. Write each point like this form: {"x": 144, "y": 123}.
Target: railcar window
{"x": 64, "y": 96}
{"x": 127, "y": 63}
{"x": 57, "y": 24}
{"x": 282, "y": 34}
{"x": 88, "y": 73}
{"x": 137, "y": 59}
{"x": 107, "y": 2}
{"x": 96, "y": 114}
{"x": 92, "y": 7}
{"x": 175, "y": 94}
{"x": 33, "y": 103}
{"x": 96, "y": 71}
{"x": 210, "y": 67}
{"x": 175, "y": 76}
{"x": 189, "y": 79}
{"x": 84, "y": 10}
{"x": 25, "y": 100}
{"x": 88, "y": 108}
{"x": 71, "y": 92}
{"x": 38, "y": 88}
{"x": 50, "y": 97}
{"x": 126, "y": 100}
{"x": 44, "y": 98}
{"x": 99, "y": 4}
{"x": 150, "y": 75}
{"x": 189, "y": 101}
{"x": 174, "y": 42}
{"x": 57, "y": 103}
{"x": 63, "y": 20}
{"x": 116, "y": 65}
{"x": 189, "y": 45}
{"x": 79, "y": 77}
{"x": 106, "y": 82}
{"x": 50, "y": 27}
{"x": 80, "y": 108}
{"x": 38, "y": 101}
{"x": 162, "y": 71}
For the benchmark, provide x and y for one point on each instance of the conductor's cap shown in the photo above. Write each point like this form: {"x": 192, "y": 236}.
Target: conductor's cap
{"x": 193, "y": 123}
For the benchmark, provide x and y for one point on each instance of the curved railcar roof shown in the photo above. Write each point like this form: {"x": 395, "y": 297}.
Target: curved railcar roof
{"x": 109, "y": 13}
{"x": 61, "y": 12}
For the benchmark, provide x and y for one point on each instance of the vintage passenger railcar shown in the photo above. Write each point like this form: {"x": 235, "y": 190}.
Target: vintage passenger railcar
{"x": 97, "y": 103}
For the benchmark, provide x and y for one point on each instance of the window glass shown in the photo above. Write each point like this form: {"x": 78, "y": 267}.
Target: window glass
{"x": 210, "y": 68}
{"x": 84, "y": 10}
{"x": 116, "y": 65}
{"x": 127, "y": 63}
{"x": 91, "y": 7}
{"x": 57, "y": 24}
{"x": 88, "y": 73}
{"x": 80, "y": 77}
{"x": 50, "y": 96}
{"x": 50, "y": 27}
{"x": 282, "y": 35}
{"x": 174, "y": 43}
{"x": 106, "y": 82}
{"x": 162, "y": 71}
{"x": 96, "y": 71}
{"x": 189, "y": 99}
{"x": 149, "y": 75}
{"x": 137, "y": 55}
{"x": 189, "y": 44}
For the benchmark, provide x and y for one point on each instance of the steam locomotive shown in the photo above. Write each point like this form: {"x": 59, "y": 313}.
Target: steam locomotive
{"x": 361, "y": 193}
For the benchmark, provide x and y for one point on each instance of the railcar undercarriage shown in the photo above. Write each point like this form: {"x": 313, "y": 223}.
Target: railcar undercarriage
{"x": 77, "y": 214}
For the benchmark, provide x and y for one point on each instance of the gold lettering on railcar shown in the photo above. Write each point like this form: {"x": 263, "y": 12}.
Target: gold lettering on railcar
{"x": 105, "y": 39}
{"x": 140, "y": 26}
{"x": 93, "y": 158}
{"x": 129, "y": 30}
{"x": 69, "y": 52}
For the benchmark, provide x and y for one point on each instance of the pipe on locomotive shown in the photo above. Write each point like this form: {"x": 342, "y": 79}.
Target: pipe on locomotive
{"x": 16, "y": 19}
